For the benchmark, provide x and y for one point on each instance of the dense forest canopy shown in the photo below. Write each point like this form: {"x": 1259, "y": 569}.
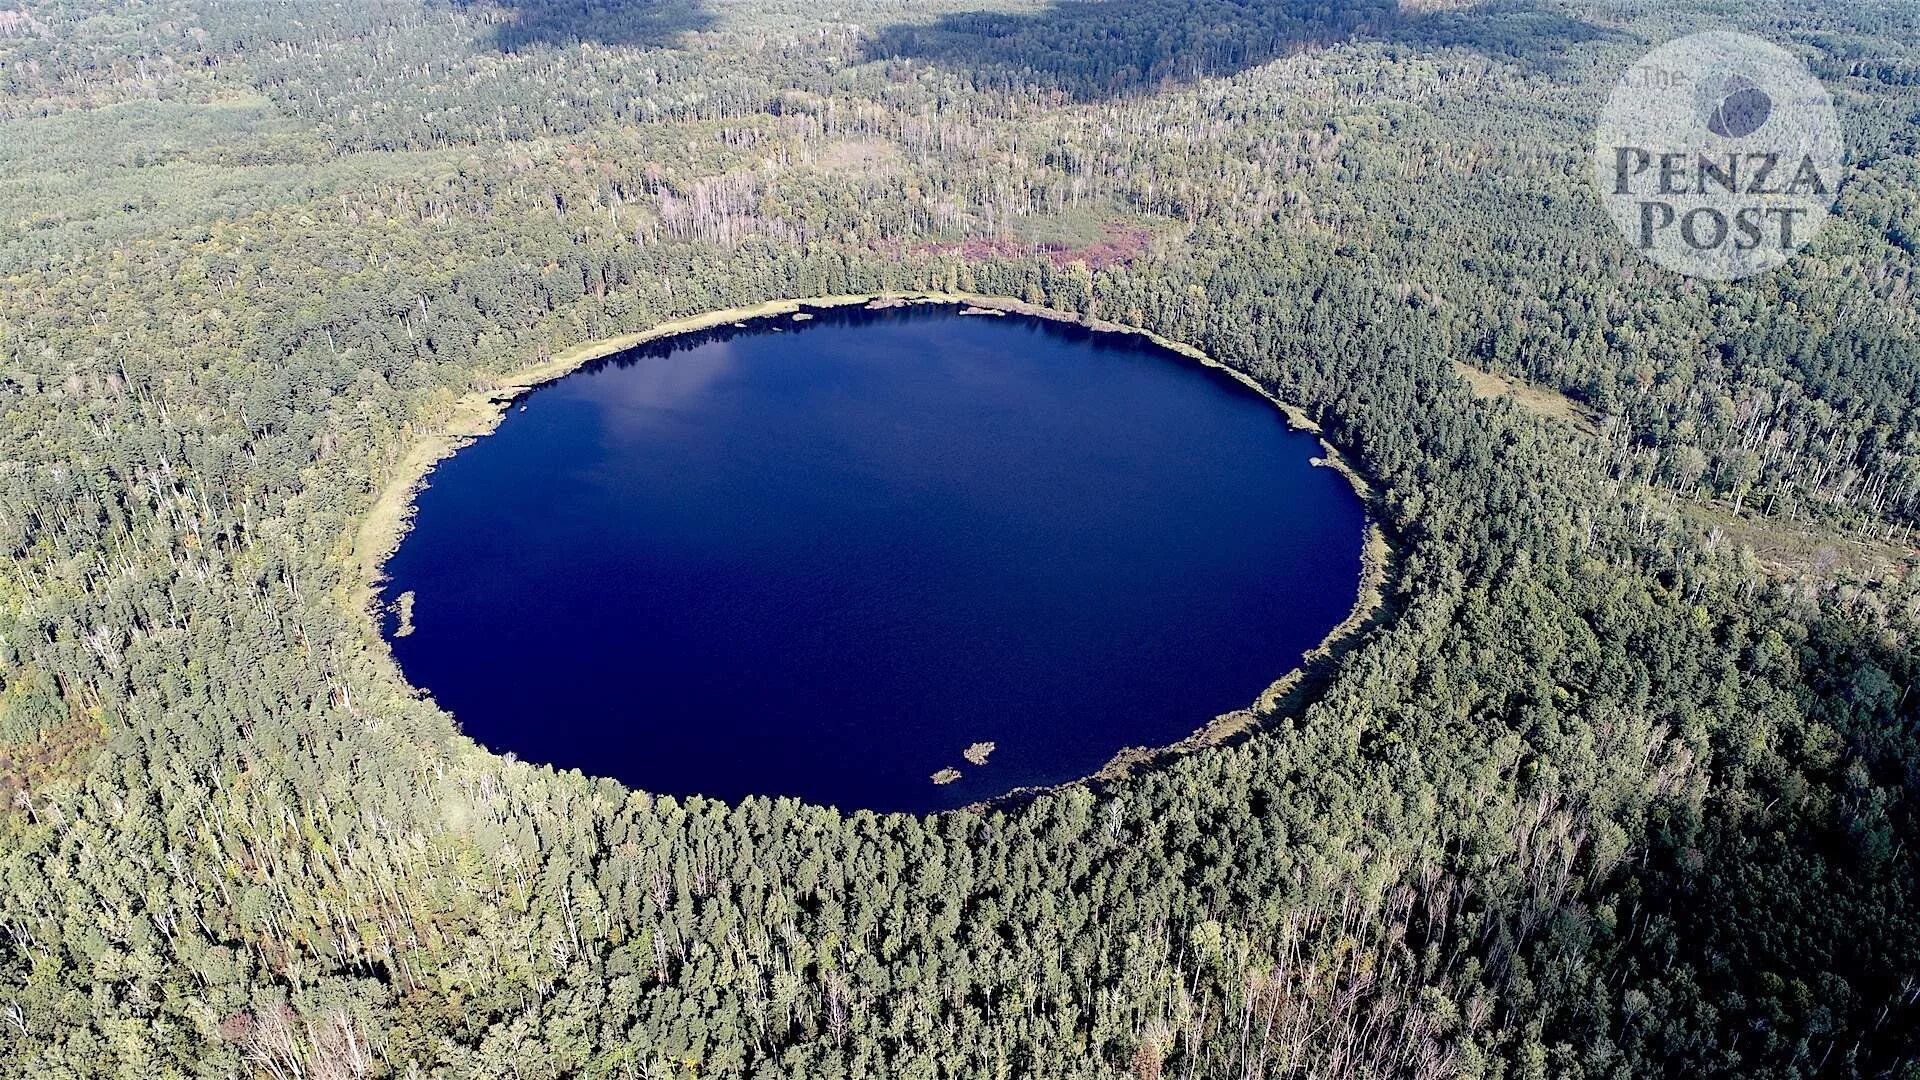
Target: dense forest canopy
{"x": 1623, "y": 784}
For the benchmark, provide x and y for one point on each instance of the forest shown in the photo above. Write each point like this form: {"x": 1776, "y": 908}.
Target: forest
{"x": 1622, "y": 785}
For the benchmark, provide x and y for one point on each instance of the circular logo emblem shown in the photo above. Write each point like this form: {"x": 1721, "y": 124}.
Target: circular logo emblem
{"x": 1718, "y": 155}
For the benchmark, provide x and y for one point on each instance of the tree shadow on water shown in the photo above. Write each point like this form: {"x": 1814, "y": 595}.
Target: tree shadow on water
{"x": 1096, "y": 49}
{"x": 517, "y": 25}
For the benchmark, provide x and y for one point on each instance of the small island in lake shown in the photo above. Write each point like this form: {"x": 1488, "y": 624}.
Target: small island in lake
{"x": 403, "y": 614}
{"x": 946, "y": 776}
{"x": 977, "y": 753}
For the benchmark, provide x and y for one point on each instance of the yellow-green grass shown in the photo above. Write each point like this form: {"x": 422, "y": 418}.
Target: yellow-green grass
{"x": 1535, "y": 399}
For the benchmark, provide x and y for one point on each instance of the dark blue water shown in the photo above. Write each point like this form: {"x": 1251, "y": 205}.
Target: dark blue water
{"x": 823, "y": 561}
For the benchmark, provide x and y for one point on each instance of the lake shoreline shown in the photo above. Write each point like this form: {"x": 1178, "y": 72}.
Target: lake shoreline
{"x": 478, "y": 413}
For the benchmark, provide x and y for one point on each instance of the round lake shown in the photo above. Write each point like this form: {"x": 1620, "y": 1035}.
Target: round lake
{"x": 825, "y": 558}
